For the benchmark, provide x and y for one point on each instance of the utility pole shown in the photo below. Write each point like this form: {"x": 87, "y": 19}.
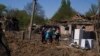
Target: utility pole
{"x": 32, "y": 17}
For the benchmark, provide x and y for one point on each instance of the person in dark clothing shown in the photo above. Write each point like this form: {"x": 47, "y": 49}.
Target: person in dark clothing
{"x": 43, "y": 35}
{"x": 8, "y": 25}
{"x": 1, "y": 42}
{"x": 51, "y": 35}
{"x": 15, "y": 24}
{"x": 47, "y": 35}
{"x": 12, "y": 24}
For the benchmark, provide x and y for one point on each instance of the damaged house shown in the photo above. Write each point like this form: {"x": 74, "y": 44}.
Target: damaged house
{"x": 73, "y": 28}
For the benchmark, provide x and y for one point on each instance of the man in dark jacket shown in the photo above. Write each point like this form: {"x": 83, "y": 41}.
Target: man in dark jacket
{"x": 43, "y": 34}
{"x": 1, "y": 40}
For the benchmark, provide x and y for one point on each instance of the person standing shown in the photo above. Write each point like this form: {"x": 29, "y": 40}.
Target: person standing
{"x": 47, "y": 34}
{"x": 43, "y": 35}
{"x": 1, "y": 40}
{"x": 57, "y": 34}
{"x": 51, "y": 35}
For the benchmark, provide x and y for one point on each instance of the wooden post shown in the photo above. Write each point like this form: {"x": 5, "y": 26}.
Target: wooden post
{"x": 32, "y": 17}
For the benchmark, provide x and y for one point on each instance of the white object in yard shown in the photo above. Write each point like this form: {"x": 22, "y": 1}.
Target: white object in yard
{"x": 83, "y": 43}
{"x": 78, "y": 35}
{"x": 77, "y": 41}
{"x": 70, "y": 28}
{"x": 65, "y": 38}
{"x": 71, "y": 44}
{"x": 87, "y": 43}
